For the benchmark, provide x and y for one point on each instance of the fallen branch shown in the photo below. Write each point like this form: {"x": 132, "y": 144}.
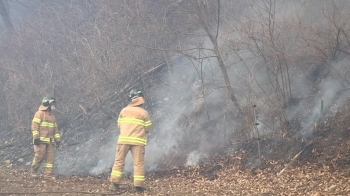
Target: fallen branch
{"x": 7, "y": 145}
{"x": 294, "y": 158}
{"x": 127, "y": 87}
{"x": 83, "y": 109}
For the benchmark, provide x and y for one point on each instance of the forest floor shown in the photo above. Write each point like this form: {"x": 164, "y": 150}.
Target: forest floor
{"x": 322, "y": 168}
{"x": 302, "y": 180}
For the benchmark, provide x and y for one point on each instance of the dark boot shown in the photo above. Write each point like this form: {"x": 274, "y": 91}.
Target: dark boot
{"x": 113, "y": 187}
{"x": 50, "y": 177}
{"x": 34, "y": 173}
{"x": 139, "y": 188}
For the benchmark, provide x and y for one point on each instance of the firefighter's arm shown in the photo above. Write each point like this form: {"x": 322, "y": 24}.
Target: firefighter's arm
{"x": 57, "y": 135}
{"x": 120, "y": 117}
{"x": 148, "y": 123}
{"x": 36, "y": 125}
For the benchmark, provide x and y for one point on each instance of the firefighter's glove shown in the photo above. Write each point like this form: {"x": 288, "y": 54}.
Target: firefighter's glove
{"x": 57, "y": 144}
{"x": 37, "y": 141}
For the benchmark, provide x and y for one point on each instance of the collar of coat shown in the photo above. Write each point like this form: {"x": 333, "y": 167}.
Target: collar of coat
{"x": 137, "y": 102}
{"x": 43, "y": 108}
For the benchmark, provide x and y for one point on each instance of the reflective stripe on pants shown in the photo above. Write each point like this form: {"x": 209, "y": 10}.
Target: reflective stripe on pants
{"x": 44, "y": 152}
{"x": 138, "y": 154}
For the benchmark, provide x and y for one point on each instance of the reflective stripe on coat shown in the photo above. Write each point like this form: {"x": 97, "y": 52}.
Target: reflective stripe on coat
{"x": 44, "y": 126}
{"x": 134, "y": 123}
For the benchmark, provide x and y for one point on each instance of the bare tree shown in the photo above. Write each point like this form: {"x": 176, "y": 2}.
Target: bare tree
{"x": 202, "y": 13}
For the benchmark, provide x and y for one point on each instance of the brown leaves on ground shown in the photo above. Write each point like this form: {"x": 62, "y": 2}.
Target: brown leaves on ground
{"x": 229, "y": 179}
{"x": 322, "y": 169}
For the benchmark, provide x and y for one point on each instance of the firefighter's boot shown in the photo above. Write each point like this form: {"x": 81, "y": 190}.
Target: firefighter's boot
{"x": 34, "y": 173}
{"x": 50, "y": 177}
{"x": 113, "y": 187}
{"x": 139, "y": 188}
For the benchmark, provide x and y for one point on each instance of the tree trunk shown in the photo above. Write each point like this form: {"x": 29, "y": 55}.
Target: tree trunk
{"x": 3, "y": 102}
{"x": 222, "y": 65}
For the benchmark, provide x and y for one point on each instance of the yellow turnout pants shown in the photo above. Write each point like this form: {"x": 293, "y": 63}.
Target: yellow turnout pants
{"x": 138, "y": 154}
{"x": 44, "y": 152}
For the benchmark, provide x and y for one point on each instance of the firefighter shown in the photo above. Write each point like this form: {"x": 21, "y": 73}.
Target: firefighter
{"x": 45, "y": 138}
{"x": 134, "y": 124}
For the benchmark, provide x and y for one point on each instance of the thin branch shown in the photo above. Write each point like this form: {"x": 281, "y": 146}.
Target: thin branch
{"x": 218, "y": 21}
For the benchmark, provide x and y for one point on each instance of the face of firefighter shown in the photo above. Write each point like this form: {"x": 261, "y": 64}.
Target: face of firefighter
{"x": 52, "y": 107}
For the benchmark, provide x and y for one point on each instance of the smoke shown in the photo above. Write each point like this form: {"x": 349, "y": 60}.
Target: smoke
{"x": 95, "y": 156}
{"x": 192, "y": 117}
{"x": 329, "y": 99}
{"x": 193, "y": 158}
{"x": 192, "y": 110}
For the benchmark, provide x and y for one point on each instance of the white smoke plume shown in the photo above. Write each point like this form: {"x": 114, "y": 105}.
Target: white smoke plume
{"x": 185, "y": 122}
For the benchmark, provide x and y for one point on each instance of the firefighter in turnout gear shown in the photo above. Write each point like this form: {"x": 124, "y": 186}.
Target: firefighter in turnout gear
{"x": 45, "y": 138}
{"x": 134, "y": 124}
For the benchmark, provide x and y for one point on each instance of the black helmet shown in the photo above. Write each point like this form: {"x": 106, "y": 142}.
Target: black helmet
{"x": 48, "y": 101}
{"x": 135, "y": 93}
